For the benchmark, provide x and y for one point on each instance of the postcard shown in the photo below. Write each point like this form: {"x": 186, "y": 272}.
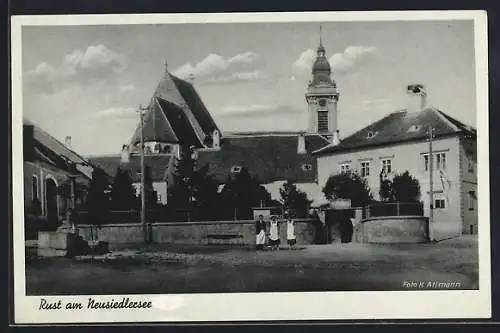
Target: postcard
{"x": 250, "y": 167}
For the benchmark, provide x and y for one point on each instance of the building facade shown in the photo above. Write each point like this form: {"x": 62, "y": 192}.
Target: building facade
{"x": 399, "y": 142}
{"x": 55, "y": 177}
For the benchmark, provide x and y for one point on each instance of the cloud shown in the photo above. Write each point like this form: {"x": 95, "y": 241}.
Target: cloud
{"x": 118, "y": 112}
{"x": 349, "y": 60}
{"x": 233, "y": 78}
{"x": 352, "y": 58}
{"x": 305, "y": 60}
{"x": 218, "y": 69}
{"x": 257, "y": 110}
{"x": 127, "y": 88}
{"x": 377, "y": 102}
{"x": 97, "y": 64}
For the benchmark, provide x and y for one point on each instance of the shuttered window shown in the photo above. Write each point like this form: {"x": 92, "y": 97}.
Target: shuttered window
{"x": 322, "y": 121}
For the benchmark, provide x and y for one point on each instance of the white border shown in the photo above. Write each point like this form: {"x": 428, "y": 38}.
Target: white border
{"x": 264, "y": 306}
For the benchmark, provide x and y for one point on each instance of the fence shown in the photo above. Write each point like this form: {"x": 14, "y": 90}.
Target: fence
{"x": 393, "y": 209}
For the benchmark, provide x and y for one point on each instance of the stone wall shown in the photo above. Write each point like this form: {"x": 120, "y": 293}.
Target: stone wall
{"x": 393, "y": 229}
{"x": 195, "y": 232}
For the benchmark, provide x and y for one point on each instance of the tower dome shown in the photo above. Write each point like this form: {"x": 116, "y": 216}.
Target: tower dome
{"x": 321, "y": 64}
{"x": 321, "y": 69}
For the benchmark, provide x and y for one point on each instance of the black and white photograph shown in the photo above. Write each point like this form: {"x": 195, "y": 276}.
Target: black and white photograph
{"x": 188, "y": 167}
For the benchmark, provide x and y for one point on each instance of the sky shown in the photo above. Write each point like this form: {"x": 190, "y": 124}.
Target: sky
{"x": 87, "y": 81}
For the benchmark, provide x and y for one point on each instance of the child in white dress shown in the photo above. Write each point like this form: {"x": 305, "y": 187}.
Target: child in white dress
{"x": 274, "y": 236}
{"x": 290, "y": 232}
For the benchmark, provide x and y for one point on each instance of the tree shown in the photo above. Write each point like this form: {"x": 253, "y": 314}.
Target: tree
{"x": 294, "y": 200}
{"x": 98, "y": 200}
{"x": 123, "y": 193}
{"x": 179, "y": 190}
{"x": 348, "y": 185}
{"x": 386, "y": 193}
{"x": 242, "y": 192}
{"x": 406, "y": 188}
{"x": 205, "y": 194}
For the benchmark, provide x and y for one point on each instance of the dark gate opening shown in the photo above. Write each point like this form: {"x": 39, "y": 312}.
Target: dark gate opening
{"x": 51, "y": 203}
{"x": 339, "y": 225}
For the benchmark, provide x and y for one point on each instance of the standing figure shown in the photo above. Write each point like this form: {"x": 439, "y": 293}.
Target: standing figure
{"x": 274, "y": 236}
{"x": 290, "y": 232}
{"x": 260, "y": 232}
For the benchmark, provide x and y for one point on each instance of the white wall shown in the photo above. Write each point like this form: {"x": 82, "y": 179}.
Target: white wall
{"x": 409, "y": 157}
{"x": 159, "y": 187}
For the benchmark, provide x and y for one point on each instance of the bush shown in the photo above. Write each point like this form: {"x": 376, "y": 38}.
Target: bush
{"x": 406, "y": 188}
{"x": 348, "y": 185}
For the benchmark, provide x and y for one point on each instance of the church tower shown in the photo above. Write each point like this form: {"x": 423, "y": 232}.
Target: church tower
{"x": 322, "y": 96}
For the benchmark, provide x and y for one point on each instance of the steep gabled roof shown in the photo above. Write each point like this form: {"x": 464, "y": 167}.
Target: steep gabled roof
{"x": 176, "y": 112}
{"x": 158, "y": 165}
{"x": 400, "y": 126}
{"x": 50, "y": 150}
{"x": 179, "y": 121}
{"x": 269, "y": 156}
{"x": 156, "y": 126}
{"x": 197, "y": 106}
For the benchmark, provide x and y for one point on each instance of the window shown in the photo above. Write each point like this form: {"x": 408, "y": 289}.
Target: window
{"x": 370, "y": 135}
{"x": 414, "y": 128}
{"x": 470, "y": 160}
{"x": 439, "y": 204}
{"x": 344, "y": 167}
{"x": 365, "y": 169}
{"x": 34, "y": 184}
{"x": 472, "y": 200}
{"x": 471, "y": 166}
{"x": 158, "y": 198}
{"x": 426, "y": 162}
{"x": 322, "y": 121}
{"x": 386, "y": 166}
{"x": 322, "y": 103}
{"x": 440, "y": 161}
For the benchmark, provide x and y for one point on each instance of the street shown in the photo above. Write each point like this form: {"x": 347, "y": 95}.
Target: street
{"x": 449, "y": 264}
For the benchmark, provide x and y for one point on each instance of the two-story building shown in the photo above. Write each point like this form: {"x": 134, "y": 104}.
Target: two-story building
{"x": 399, "y": 142}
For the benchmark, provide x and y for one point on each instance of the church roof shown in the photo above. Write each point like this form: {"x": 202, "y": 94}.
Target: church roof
{"x": 176, "y": 113}
{"x": 270, "y": 156}
{"x": 158, "y": 165}
{"x": 401, "y": 126}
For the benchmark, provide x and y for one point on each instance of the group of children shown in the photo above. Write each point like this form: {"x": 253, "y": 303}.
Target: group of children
{"x": 274, "y": 237}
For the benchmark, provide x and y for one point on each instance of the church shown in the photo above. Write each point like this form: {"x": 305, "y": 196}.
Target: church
{"x": 176, "y": 116}
{"x": 398, "y": 142}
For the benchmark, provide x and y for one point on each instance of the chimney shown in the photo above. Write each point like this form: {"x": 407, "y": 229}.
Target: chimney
{"x": 125, "y": 158}
{"x": 336, "y": 138}
{"x": 301, "y": 143}
{"x": 67, "y": 141}
{"x": 417, "y": 90}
